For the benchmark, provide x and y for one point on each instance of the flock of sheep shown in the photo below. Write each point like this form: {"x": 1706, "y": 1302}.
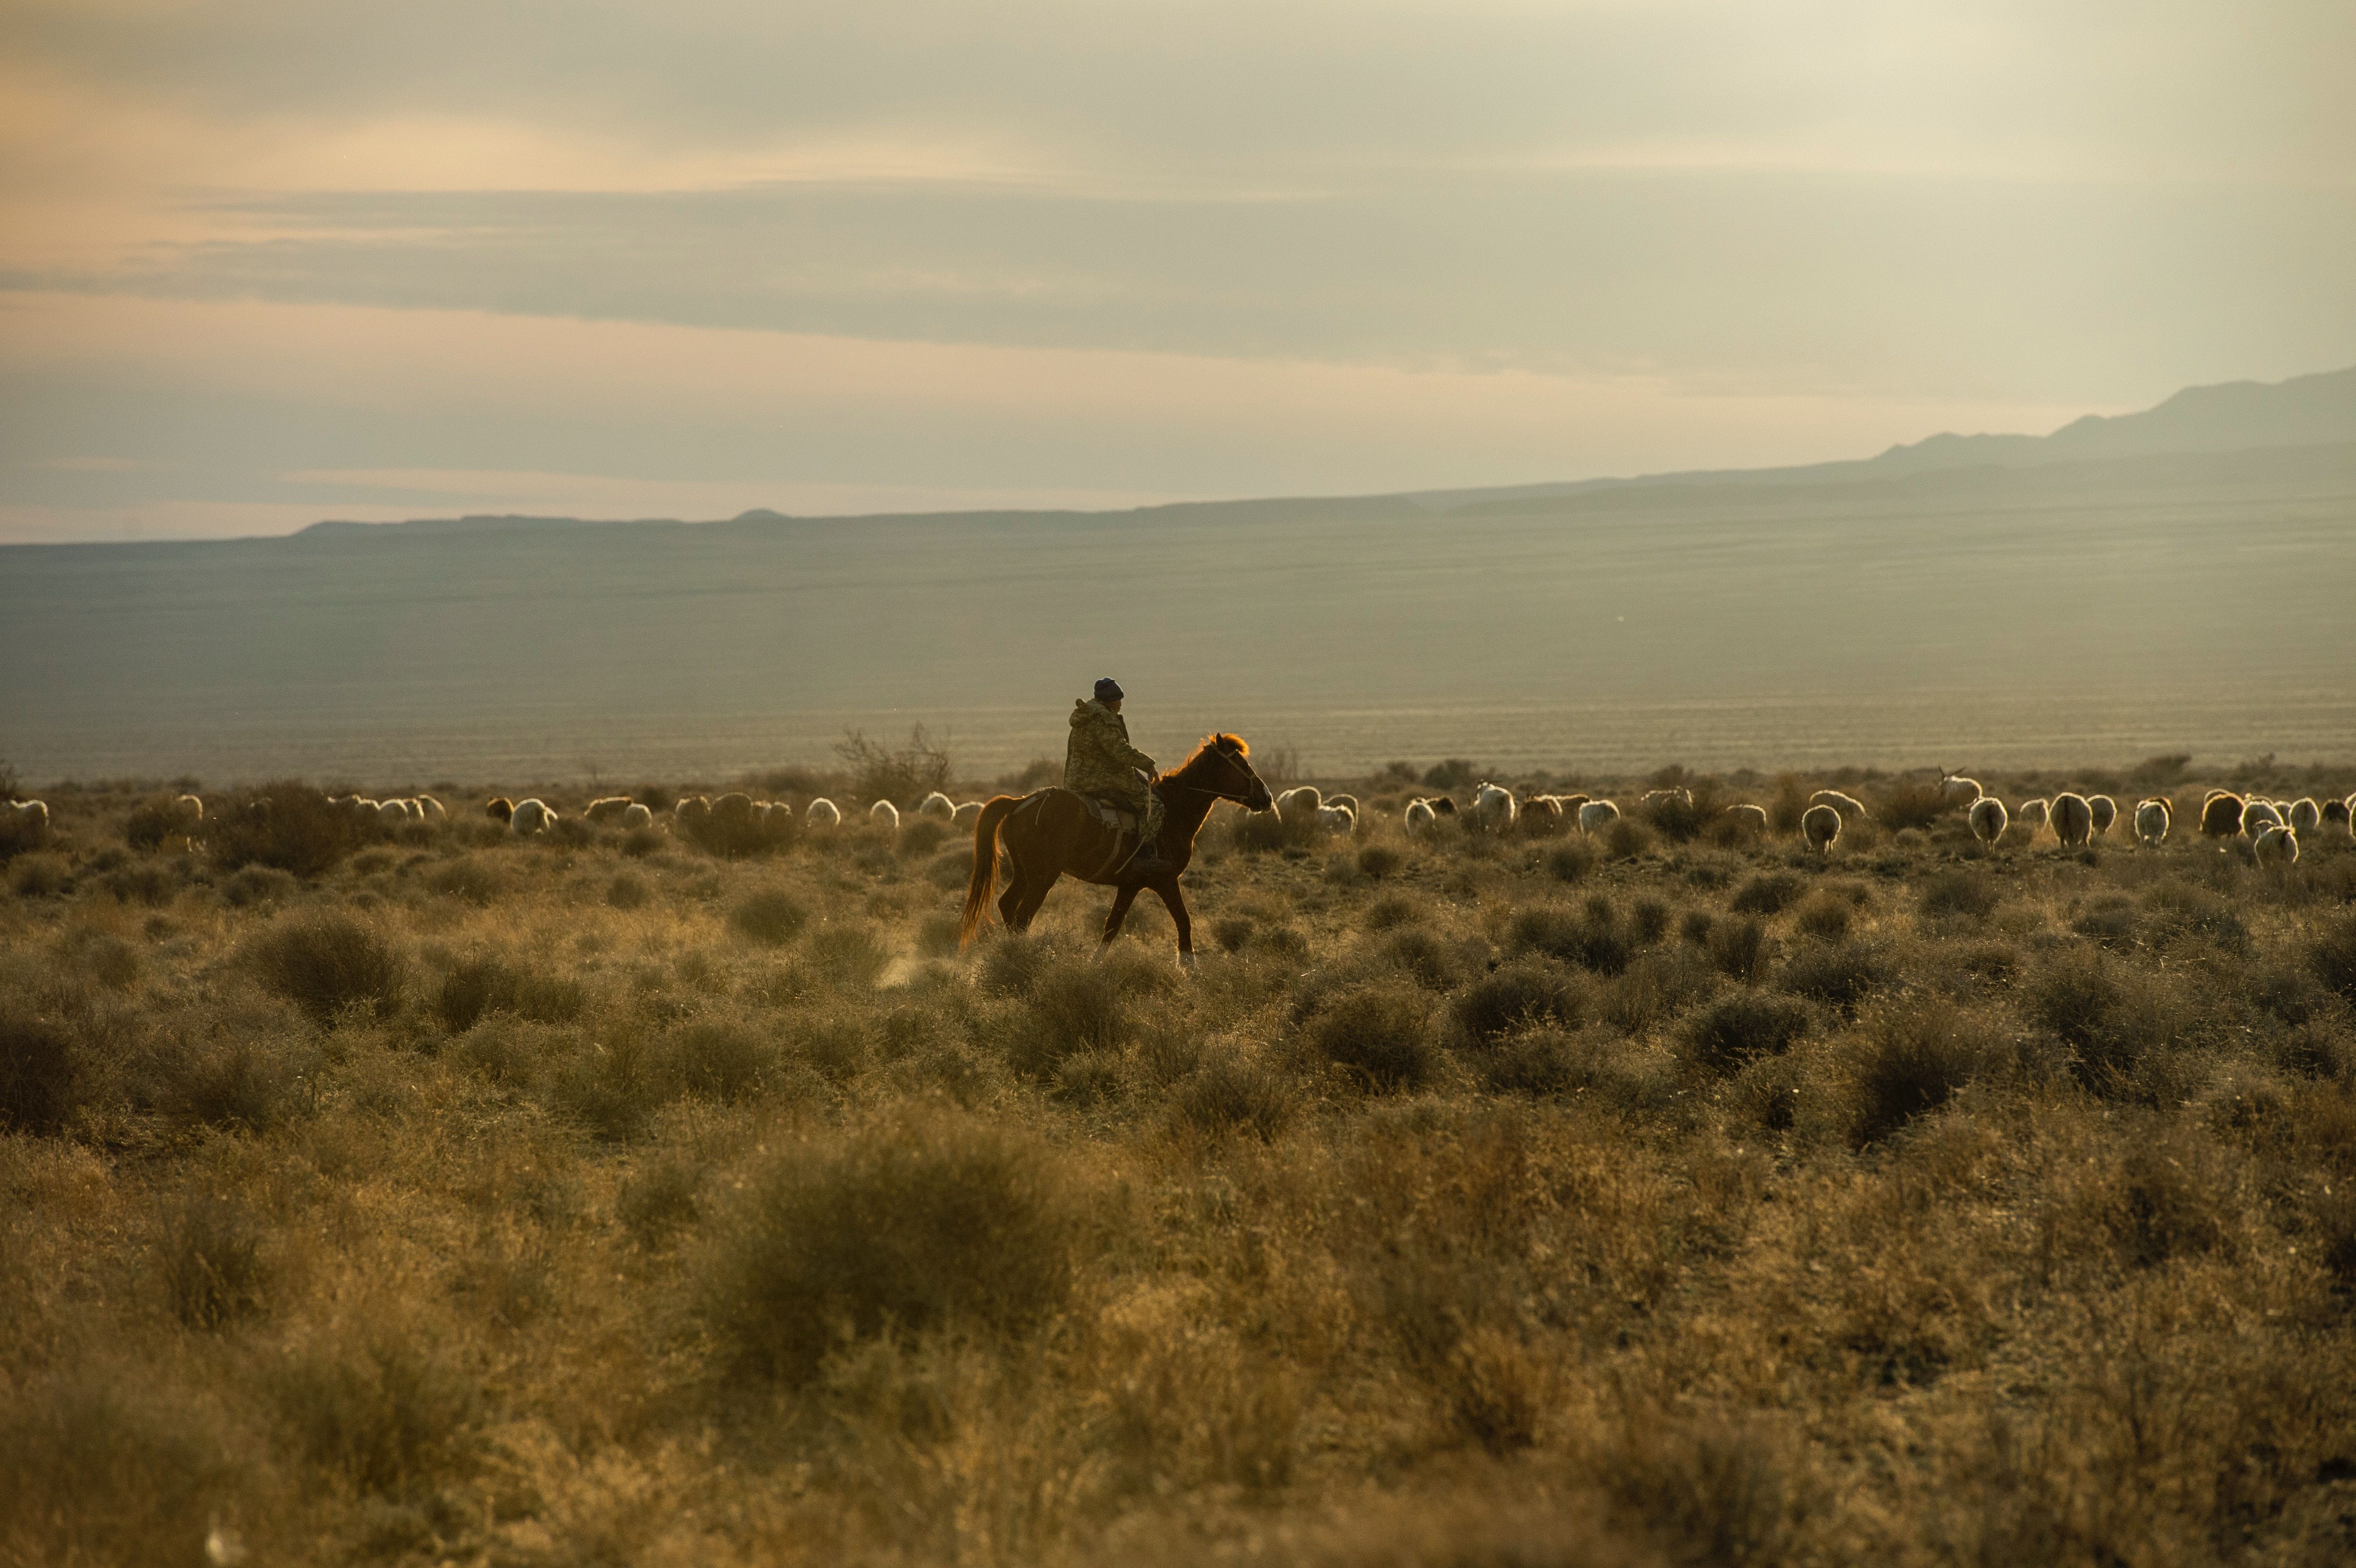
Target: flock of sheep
{"x": 774, "y": 816}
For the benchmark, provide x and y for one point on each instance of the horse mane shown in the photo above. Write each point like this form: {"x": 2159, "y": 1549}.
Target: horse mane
{"x": 1233, "y": 745}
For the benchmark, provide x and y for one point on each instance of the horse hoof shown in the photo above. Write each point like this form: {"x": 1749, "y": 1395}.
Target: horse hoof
{"x": 1186, "y": 962}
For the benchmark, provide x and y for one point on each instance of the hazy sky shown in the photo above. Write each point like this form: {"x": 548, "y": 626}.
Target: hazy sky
{"x": 262, "y": 263}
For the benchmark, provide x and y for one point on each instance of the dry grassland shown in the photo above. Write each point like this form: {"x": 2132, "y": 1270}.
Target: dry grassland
{"x": 1644, "y": 1200}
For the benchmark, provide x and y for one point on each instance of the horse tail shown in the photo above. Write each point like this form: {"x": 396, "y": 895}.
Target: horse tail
{"x": 984, "y": 881}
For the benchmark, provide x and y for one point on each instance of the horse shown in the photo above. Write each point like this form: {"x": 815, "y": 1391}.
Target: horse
{"x": 1051, "y": 833}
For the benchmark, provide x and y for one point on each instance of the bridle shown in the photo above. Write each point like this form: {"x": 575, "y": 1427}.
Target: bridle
{"x": 1230, "y": 758}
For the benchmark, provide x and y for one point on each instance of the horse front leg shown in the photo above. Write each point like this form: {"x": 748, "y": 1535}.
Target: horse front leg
{"x": 1120, "y": 902}
{"x": 1176, "y": 902}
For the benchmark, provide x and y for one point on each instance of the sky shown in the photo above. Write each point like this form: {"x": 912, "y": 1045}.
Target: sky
{"x": 264, "y": 263}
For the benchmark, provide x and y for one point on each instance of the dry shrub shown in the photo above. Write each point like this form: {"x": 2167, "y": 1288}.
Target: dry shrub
{"x": 1547, "y": 1063}
{"x": 1377, "y": 861}
{"x": 212, "y": 1266}
{"x": 289, "y": 826}
{"x": 2110, "y": 922}
{"x": 1627, "y": 840}
{"x": 1741, "y": 1027}
{"x": 661, "y": 1197}
{"x": 145, "y": 883}
{"x": 1824, "y": 915}
{"x": 103, "y": 1466}
{"x": 39, "y": 876}
{"x": 381, "y": 1405}
{"x": 326, "y": 963}
{"x": 256, "y": 885}
{"x": 1839, "y": 975}
{"x": 2332, "y": 956}
{"x": 716, "y": 1058}
{"x": 1596, "y": 936}
{"x": 1915, "y": 803}
{"x": 2181, "y": 914}
{"x": 153, "y": 821}
{"x": 469, "y": 880}
{"x": 242, "y": 1080}
{"x": 1422, "y": 957}
{"x": 1075, "y": 1006}
{"x": 628, "y": 891}
{"x": 1960, "y": 892}
{"x": 1655, "y": 989}
{"x": 1232, "y": 932}
{"x": 1234, "y": 1092}
{"x": 1739, "y": 948}
{"x": 1381, "y": 1034}
{"x": 905, "y": 1225}
{"x": 39, "y": 1075}
{"x": 771, "y": 918}
{"x": 1907, "y": 1060}
{"x": 1717, "y": 1491}
{"x": 480, "y": 987}
{"x": 1515, "y": 997}
{"x": 1770, "y": 893}
{"x": 1571, "y": 863}
{"x": 849, "y": 954}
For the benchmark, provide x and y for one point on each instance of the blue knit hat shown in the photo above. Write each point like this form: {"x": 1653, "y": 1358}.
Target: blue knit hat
{"x": 1108, "y": 690}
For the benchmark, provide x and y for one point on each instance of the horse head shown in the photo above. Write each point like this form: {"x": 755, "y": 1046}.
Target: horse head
{"x": 1221, "y": 765}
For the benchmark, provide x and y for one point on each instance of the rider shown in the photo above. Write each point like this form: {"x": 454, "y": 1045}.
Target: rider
{"x": 1099, "y": 760}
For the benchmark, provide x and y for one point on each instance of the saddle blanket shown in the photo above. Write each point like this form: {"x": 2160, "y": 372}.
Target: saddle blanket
{"x": 1117, "y": 819}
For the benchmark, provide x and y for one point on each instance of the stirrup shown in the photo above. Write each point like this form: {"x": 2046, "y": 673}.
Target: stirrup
{"x": 1144, "y": 859}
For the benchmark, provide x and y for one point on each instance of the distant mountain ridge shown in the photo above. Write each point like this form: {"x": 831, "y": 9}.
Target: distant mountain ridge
{"x": 2306, "y": 411}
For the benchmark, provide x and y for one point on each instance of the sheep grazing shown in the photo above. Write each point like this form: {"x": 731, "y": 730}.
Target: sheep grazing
{"x": 1851, "y": 809}
{"x": 2073, "y": 819}
{"x": 822, "y": 812}
{"x": 498, "y": 809}
{"x": 691, "y": 812}
{"x": 2152, "y": 819}
{"x": 937, "y": 804}
{"x": 1420, "y": 818}
{"x": 190, "y": 808}
{"x": 1958, "y": 790}
{"x": 635, "y": 816}
{"x": 1989, "y": 819}
{"x": 1653, "y": 797}
{"x": 1820, "y": 824}
{"x": 2276, "y": 844}
{"x": 1445, "y": 804}
{"x": 26, "y": 825}
{"x": 2305, "y": 816}
{"x": 1541, "y": 815}
{"x": 1494, "y": 805}
{"x": 1337, "y": 819}
{"x": 1596, "y": 814}
{"x": 1299, "y": 805}
{"x": 1347, "y": 802}
{"x": 2336, "y": 812}
{"x": 433, "y": 809}
{"x": 2105, "y": 811}
{"x": 531, "y": 816}
{"x": 733, "y": 809}
{"x": 394, "y": 810}
{"x": 885, "y": 814}
{"x": 2221, "y": 813}
{"x": 2033, "y": 814}
{"x": 1747, "y": 818}
{"x": 967, "y": 813}
{"x": 605, "y": 808}
{"x": 2257, "y": 816}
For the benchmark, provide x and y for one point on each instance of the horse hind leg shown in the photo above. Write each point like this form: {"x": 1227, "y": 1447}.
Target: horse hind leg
{"x": 1119, "y": 912}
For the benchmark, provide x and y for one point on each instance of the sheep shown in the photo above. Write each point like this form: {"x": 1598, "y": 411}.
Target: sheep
{"x": 606, "y": 807}
{"x": 1347, "y": 802}
{"x": 433, "y": 809}
{"x": 394, "y": 810}
{"x": 937, "y": 804}
{"x": 498, "y": 809}
{"x": 1596, "y": 814}
{"x": 2152, "y": 819}
{"x": 822, "y": 812}
{"x": 1747, "y": 818}
{"x": 1445, "y": 804}
{"x": 1494, "y": 805}
{"x": 2033, "y": 814}
{"x": 1820, "y": 824}
{"x": 2221, "y": 813}
{"x": 1570, "y": 805}
{"x": 635, "y": 816}
{"x": 734, "y": 808}
{"x": 2105, "y": 811}
{"x": 1299, "y": 803}
{"x": 2336, "y": 812}
{"x": 2073, "y": 819}
{"x": 1420, "y": 818}
{"x": 967, "y": 814}
{"x": 190, "y": 806}
{"x": 1541, "y": 815}
{"x": 365, "y": 806}
{"x": 2257, "y": 816}
{"x": 27, "y": 823}
{"x": 1988, "y": 819}
{"x": 1653, "y": 797}
{"x": 1849, "y": 806}
{"x": 530, "y": 816}
{"x": 1959, "y": 790}
{"x": 2305, "y": 816}
{"x": 2276, "y": 844}
{"x": 1337, "y": 819}
{"x": 885, "y": 814}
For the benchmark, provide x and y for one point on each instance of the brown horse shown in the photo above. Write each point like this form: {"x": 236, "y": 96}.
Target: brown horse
{"x": 1051, "y": 833}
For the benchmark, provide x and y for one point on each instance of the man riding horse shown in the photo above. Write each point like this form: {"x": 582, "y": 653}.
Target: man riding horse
{"x": 1099, "y": 763}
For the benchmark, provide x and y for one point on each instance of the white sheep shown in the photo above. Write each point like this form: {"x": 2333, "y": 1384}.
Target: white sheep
{"x": 2306, "y": 816}
{"x": 1596, "y": 814}
{"x": 2276, "y": 844}
{"x": 531, "y": 816}
{"x": 1299, "y": 803}
{"x": 1337, "y": 819}
{"x": 635, "y": 815}
{"x": 2072, "y": 818}
{"x": 967, "y": 813}
{"x": 1494, "y": 805}
{"x": 1959, "y": 790}
{"x": 1821, "y": 825}
{"x": 2033, "y": 814}
{"x": 29, "y": 818}
{"x": 1653, "y": 797}
{"x": 1347, "y": 802}
{"x": 1420, "y": 818}
{"x": 2257, "y": 816}
{"x": 1748, "y": 817}
{"x": 606, "y": 807}
{"x": 822, "y": 812}
{"x": 937, "y": 804}
{"x": 189, "y": 806}
{"x": 1989, "y": 819}
{"x": 886, "y": 814}
{"x": 2105, "y": 810}
{"x": 392, "y": 810}
{"x": 1850, "y": 808}
{"x": 2152, "y": 820}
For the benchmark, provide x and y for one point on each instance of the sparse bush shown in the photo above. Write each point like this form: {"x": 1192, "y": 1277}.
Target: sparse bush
{"x": 849, "y": 954}
{"x": 1231, "y": 1093}
{"x": 896, "y": 1228}
{"x": 1964, "y": 892}
{"x": 151, "y": 822}
{"x": 1455, "y": 772}
{"x": 1377, "y": 861}
{"x": 663, "y": 1198}
{"x": 1627, "y": 840}
{"x": 1906, "y": 1062}
{"x": 717, "y": 1060}
{"x": 257, "y": 885}
{"x": 1655, "y": 988}
{"x": 382, "y": 1406}
{"x": 1768, "y": 893}
{"x": 469, "y": 880}
{"x": 628, "y": 891}
{"x": 143, "y": 882}
{"x": 1739, "y": 948}
{"x": 289, "y": 826}
{"x": 1826, "y": 916}
{"x": 105, "y": 1465}
{"x": 1838, "y": 974}
{"x": 2332, "y": 956}
{"x": 907, "y": 773}
{"x": 1915, "y": 803}
{"x": 483, "y": 986}
{"x": 1741, "y": 1027}
{"x": 1422, "y": 957}
{"x": 1594, "y": 937}
{"x": 1572, "y": 862}
{"x": 771, "y": 918}
{"x": 1380, "y": 1034}
{"x": 38, "y": 1075}
{"x": 213, "y": 1273}
{"x": 1515, "y": 997}
{"x": 327, "y": 963}
{"x": 39, "y": 876}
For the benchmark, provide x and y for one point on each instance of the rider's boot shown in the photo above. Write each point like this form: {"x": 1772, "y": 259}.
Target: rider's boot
{"x": 1146, "y": 862}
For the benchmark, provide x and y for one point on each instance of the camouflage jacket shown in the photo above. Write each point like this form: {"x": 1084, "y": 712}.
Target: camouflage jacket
{"x": 1099, "y": 758}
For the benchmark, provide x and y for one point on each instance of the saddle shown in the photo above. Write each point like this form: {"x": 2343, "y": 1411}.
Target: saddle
{"x": 1119, "y": 821}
